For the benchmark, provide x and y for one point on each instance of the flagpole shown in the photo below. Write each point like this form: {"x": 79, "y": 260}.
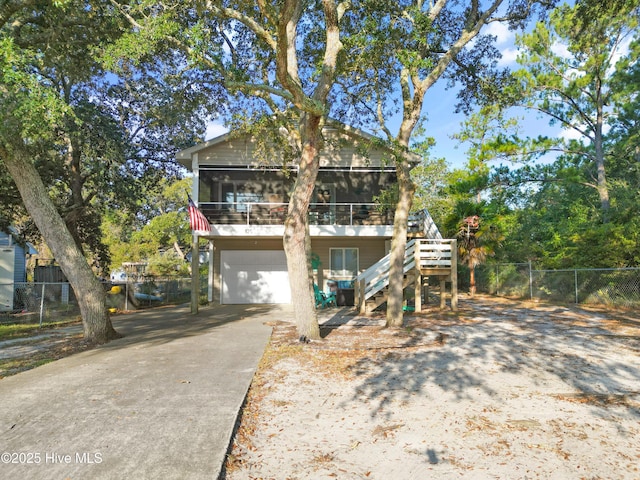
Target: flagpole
{"x": 195, "y": 274}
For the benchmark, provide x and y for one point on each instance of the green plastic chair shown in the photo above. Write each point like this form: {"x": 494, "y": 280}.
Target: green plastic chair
{"x": 323, "y": 299}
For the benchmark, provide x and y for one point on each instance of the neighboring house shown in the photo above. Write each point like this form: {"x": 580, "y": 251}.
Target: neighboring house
{"x": 13, "y": 267}
{"x": 246, "y": 201}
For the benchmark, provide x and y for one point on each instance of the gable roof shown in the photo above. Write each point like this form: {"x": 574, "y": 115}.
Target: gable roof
{"x": 11, "y": 237}
{"x": 344, "y": 146}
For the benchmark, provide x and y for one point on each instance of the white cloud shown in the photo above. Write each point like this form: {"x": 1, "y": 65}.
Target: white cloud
{"x": 509, "y": 56}
{"x": 561, "y": 50}
{"x": 573, "y": 134}
{"x": 501, "y": 32}
{"x": 505, "y": 42}
{"x": 570, "y": 134}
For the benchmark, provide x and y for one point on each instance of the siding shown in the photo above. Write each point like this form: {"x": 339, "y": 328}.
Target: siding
{"x": 19, "y": 266}
{"x": 5, "y": 240}
{"x": 340, "y": 150}
{"x": 370, "y": 250}
{"x": 236, "y": 151}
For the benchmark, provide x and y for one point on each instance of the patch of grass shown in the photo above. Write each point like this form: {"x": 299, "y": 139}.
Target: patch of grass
{"x": 18, "y": 330}
{"x": 16, "y": 365}
{"x": 46, "y": 354}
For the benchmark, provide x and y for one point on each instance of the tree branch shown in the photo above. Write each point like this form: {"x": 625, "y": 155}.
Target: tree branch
{"x": 333, "y": 46}
{"x": 256, "y": 87}
{"x": 249, "y": 22}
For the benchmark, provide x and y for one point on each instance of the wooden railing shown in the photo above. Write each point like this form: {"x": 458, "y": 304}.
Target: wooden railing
{"x": 422, "y": 256}
{"x": 264, "y": 213}
{"x": 435, "y": 255}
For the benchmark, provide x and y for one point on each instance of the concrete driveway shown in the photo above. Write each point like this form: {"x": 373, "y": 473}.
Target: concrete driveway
{"x": 160, "y": 403}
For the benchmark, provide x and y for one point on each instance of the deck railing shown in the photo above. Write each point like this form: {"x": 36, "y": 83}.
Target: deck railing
{"x": 428, "y": 256}
{"x": 264, "y": 213}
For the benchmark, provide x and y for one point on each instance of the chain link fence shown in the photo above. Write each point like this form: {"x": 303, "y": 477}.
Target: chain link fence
{"x": 619, "y": 287}
{"x": 53, "y": 302}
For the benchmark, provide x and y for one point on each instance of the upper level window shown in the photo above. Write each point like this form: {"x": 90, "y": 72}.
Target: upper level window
{"x": 344, "y": 262}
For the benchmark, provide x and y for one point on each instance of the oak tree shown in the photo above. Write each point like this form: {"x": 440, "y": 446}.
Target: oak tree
{"x": 404, "y": 49}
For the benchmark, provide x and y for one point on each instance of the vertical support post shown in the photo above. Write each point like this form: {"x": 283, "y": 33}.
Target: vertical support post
{"x": 42, "y": 303}
{"x": 530, "y": 282}
{"x": 417, "y": 289}
{"x": 425, "y": 289}
{"x": 320, "y": 277}
{"x": 210, "y": 277}
{"x": 356, "y": 295}
{"x": 443, "y": 292}
{"x": 362, "y": 302}
{"x": 575, "y": 282}
{"x": 417, "y": 284}
{"x": 195, "y": 249}
{"x": 195, "y": 274}
{"x": 454, "y": 275}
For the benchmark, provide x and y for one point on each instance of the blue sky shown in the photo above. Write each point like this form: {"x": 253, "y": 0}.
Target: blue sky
{"x": 439, "y": 107}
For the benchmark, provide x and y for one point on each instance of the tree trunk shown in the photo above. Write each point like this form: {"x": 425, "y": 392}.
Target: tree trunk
{"x": 603, "y": 188}
{"x": 472, "y": 281}
{"x": 89, "y": 291}
{"x": 406, "y": 189}
{"x": 75, "y": 206}
{"x": 296, "y": 240}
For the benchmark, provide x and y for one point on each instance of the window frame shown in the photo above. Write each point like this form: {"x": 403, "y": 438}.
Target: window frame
{"x": 344, "y": 272}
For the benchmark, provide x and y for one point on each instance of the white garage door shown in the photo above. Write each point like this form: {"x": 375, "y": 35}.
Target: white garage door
{"x": 254, "y": 276}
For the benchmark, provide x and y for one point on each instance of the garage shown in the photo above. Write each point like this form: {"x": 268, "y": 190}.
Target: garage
{"x": 254, "y": 276}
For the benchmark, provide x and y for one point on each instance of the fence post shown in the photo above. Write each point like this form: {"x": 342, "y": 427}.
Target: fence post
{"x": 530, "y": 281}
{"x": 575, "y": 275}
{"x": 42, "y": 303}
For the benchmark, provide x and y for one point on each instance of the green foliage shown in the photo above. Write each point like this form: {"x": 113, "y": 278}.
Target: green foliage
{"x": 552, "y": 212}
{"x": 158, "y": 237}
{"x": 30, "y": 107}
{"x": 96, "y": 138}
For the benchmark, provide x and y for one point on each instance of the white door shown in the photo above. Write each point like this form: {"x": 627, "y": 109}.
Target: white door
{"x": 254, "y": 276}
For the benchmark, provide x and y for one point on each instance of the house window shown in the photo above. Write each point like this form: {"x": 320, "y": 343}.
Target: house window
{"x": 344, "y": 262}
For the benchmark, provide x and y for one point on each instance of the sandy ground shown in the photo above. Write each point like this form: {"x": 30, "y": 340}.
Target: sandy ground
{"x": 500, "y": 390}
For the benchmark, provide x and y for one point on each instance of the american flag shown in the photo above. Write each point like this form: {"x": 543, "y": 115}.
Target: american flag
{"x": 197, "y": 220}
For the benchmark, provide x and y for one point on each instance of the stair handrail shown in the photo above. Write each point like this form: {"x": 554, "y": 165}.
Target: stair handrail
{"x": 422, "y": 253}
{"x": 376, "y": 277}
{"x": 422, "y": 222}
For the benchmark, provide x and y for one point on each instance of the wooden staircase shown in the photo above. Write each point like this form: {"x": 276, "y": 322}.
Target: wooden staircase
{"x": 423, "y": 258}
